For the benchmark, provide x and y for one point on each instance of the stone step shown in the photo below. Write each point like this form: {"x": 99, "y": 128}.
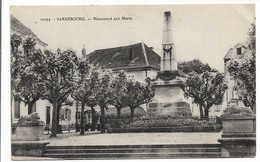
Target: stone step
{"x": 133, "y": 150}
{"x": 134, "y": 155}
{"x": 136, "y": 146}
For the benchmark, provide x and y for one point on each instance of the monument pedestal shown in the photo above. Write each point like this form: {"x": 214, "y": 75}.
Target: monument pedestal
{"x": 169, "y": 99}
{"x": 239, "y": 132}
{"x": 29, "y": 148}
{"x": 29, "y": 131}
{"x": 238, "y": 147}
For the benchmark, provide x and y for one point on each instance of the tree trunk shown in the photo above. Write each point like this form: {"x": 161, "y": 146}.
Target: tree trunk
{"x": 30, "y": 105}
{"x": 58, "y": 120}
{"x": 54, "y": 119}
{"x": 102, "y": 119}
{"x": 201, "y": 110}
{"x": 118, "y": 112}
{"x": 206, "y": 113}
{"x": 82, "y": 121}
{"x": 77, "y": 110}
{"x": 93, "y": 124}
{"x": 132, "y": 112}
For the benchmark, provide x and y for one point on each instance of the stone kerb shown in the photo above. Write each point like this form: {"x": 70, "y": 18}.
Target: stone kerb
{"x": 28, "y": 139}
{"x": 239, "y": 132}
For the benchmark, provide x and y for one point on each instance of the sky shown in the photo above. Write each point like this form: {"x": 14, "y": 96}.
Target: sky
{"x": 204, "y": 32}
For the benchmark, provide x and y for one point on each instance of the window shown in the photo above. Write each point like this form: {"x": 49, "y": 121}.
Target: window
{"x": 68, "y": 114}
{"x": 61, "y": 114}
{"x": 239, "y": 51}
{"x": 217, "y": 108}
{"x": 48, "y": 116}
{"x": 131, "y": 77}
{"x": 78, "y": 115}
{"x": 145, "y": 74}
{"x": 16, "y": 109}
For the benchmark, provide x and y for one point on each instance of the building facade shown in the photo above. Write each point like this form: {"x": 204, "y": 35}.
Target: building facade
{"x": 239, "y": 51}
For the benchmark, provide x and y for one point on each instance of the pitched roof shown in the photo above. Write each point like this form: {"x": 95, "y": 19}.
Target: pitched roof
{"x": 229, "y": 54}
{"x": 239, "y": 45}
{"x": 132, "y": 56}
{"x": 21, "y": 28}
{"x": 232, "y": 52}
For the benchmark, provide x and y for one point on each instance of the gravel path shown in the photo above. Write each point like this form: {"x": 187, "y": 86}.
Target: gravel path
{"x": 95, "y": 138}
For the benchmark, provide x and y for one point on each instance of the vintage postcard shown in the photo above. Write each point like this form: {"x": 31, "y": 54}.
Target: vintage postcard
{"x": 133, "y": 81}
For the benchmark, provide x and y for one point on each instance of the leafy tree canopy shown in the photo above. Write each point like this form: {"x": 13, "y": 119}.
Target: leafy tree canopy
{"x": 194, "y": 66}
{"x": 119, "y": 86}
{"x": 139, "y": 94}
{"x": 27, "y": 68}
{"x": 58, "y": 79}
{"x": 206, "y": 89}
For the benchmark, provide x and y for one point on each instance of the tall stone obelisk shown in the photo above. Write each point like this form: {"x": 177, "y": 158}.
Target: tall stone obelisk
{"x": 169, "y": 88}
{"x": 168, "y": 61}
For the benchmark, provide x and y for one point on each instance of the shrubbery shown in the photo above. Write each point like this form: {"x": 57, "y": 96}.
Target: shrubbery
{"x": 158, "y": 122}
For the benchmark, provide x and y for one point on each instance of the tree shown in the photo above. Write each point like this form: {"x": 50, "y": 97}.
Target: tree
{"x": 104, "y": 95}
{"x": 66, "y": 102}
{"x": 91, "y": 98}
{"x": 58, "y": 80}
{"x": 243, "y": 71}
{"x": 138, "y": 94}
{"x": 26, "y": 72}
{"x": 119, "y": 85}
{"x": 16, "y": 41}
{"x": 81, "y": 90}
{"x": 194, "y": 66}
{"x": 16, "y": 56}
{"x": 206, "y": 89}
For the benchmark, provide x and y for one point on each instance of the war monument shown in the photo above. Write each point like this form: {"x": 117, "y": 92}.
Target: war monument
{"x": 169, "y": 88}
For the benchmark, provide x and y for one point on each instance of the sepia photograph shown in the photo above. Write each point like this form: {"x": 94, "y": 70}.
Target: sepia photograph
{"x": 102, "y": 82}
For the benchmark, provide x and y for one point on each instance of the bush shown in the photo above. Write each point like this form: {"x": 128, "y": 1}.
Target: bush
{"x": 157, "y": 122}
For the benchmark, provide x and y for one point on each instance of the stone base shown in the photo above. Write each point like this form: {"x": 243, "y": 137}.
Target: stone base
{"x": 169, "y": 99}
{"x": 174, "y": 109}
{"x": 238, "y": 147}
{"x": 238, "y": 135}
{"x": 29, "y": 148}
{"x": 29, "y": 131}
{"x": 239, "y": 125}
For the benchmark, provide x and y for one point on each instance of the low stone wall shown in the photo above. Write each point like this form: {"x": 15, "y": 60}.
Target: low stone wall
{"x": 166, "y": 129}
{"x": 29, "y": 148}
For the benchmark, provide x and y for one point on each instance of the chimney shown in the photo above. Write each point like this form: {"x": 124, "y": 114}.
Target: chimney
{"x": 168, "y": 61}
{"x": 83, "y": 52}
{"x": 131, "y": 54}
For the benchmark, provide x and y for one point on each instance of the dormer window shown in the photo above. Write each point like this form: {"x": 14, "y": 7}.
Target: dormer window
{"x": 239, "y": 51}
{"x": 131, "y": 54}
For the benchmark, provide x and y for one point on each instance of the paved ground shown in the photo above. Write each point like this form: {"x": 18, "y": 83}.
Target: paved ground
{"x": 29, "y": 158}
{"x": 95, "y": 138}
